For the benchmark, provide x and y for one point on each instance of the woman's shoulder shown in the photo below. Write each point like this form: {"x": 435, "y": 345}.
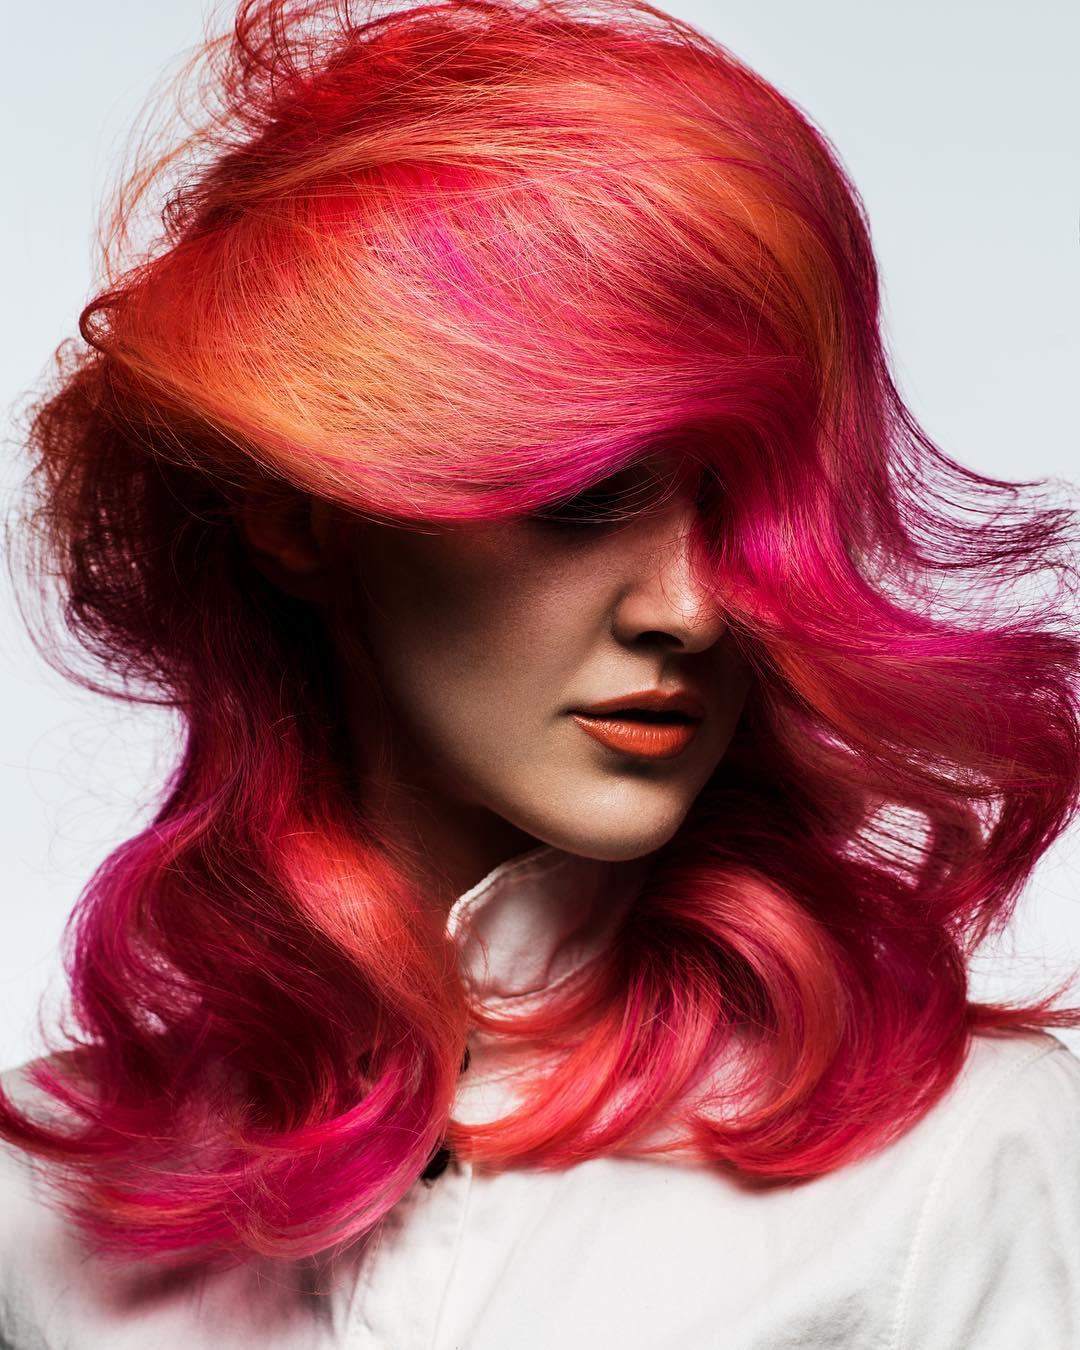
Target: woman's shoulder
{"x": 29, "y": 1222}
{"x": 17, "y": 1167}
{"x": 54, "y": 1291}
{"x": 993, "y": 1057}
{"x": 993, "y": 1244}
{"x": 963, "y": 1231}
{"x": 1016, "y": 1099}
{"x": 1020, "y": 1083}
{"x": 1002, "y": 1207}
{"x": 31, "y": 1233}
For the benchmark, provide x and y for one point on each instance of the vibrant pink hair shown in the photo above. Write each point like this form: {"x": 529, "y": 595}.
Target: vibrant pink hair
{"x": 457, "y": 261}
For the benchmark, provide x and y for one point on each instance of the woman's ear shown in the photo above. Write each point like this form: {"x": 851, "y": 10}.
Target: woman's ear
{"x": 279, "y": 526}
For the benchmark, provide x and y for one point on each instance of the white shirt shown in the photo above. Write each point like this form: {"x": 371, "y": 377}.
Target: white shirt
{"x": 963, "y": 1234}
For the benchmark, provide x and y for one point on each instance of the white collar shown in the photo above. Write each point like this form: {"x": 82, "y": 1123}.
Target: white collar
{"x": 535, "y": 919}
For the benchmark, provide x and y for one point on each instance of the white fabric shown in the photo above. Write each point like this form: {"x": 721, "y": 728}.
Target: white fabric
{"x": 963, "y": 1235}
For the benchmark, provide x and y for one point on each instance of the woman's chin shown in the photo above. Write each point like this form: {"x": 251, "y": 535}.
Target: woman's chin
{"x": 613, "y": 832}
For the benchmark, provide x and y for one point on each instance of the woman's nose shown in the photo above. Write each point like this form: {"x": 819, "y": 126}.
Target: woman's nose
{"x": 668, "y": 598}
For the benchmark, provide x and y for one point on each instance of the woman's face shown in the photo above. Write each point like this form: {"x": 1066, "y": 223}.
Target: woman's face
{"x": 487, "y": 638}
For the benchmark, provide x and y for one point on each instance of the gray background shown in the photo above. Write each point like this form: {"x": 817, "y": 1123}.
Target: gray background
{"x": 957, "y": 121}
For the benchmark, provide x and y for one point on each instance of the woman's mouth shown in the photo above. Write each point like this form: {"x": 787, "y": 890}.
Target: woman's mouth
{"x": 651, "y": 735}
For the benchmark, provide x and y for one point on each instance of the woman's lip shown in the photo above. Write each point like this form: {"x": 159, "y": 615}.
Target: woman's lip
{"x": 649, "y": 700}
{"x": 649, "y": 740}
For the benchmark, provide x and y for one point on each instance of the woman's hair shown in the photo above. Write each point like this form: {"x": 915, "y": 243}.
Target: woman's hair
{"x": 461, "y": 261}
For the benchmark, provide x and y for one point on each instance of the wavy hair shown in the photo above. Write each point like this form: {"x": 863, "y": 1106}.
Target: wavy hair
{"x": 460, "y": 261}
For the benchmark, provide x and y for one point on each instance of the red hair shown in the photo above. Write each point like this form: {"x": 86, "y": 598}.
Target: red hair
{"x": 461, "y": 260}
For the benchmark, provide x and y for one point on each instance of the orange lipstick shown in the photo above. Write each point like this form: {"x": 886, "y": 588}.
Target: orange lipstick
{"x": 650, "y": 740}
{"x": 652, "y": 724}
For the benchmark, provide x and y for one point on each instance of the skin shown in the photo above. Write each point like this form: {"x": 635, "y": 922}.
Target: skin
{"x": 480, "y": 638}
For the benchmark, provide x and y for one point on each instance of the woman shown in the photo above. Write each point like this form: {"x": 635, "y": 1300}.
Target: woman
{"x": 555, "y": 930}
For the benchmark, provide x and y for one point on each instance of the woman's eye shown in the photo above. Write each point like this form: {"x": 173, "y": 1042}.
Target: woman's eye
{"x": 587, "y": 508}
{"x": 616, "y": 499}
